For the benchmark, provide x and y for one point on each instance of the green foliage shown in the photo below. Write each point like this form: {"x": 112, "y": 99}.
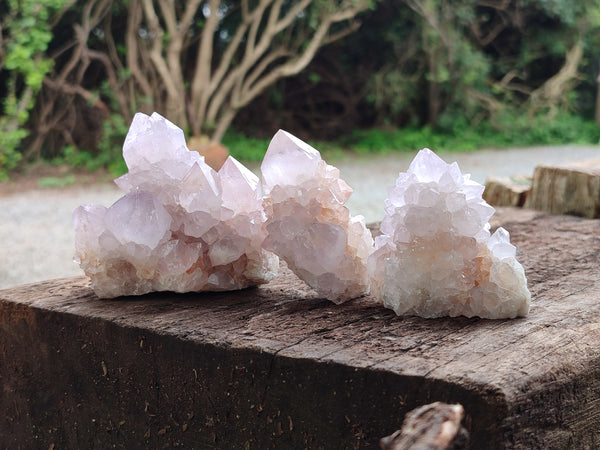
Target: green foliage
{"x": 245, "y": 148}
{"x": 110, "y": 147}
{"x": 567, "y": 11}
{"x": 57, "y": 182}
{"x": 26, "y": 33}
{"x": 449, "y": 59}
{"x": 9, "y": 142}
{"x": 464, "y": 69}
{"x": 253, "y": 149}
{"x": 390, "y": 140}
{"x": 114, "y": 130}
{"x": 509, "y": 131}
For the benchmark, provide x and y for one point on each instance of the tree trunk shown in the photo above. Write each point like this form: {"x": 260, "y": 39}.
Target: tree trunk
{"x": 511, "y": 191}
{"x": 552, "y": 94}
{"x": 567, "y": 189}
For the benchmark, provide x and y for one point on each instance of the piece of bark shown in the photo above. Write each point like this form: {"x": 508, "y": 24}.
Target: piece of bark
{"x": 436, "y": 426}
{"x": 511, "y": 191}
{"x": 567, "y": 189}
{"x": 278, "y": 367}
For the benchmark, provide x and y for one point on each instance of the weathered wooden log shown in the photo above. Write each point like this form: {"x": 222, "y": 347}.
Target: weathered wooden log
{"x": 278, "y": 367}
{"x": 436, "y": 426}
{"x": 511, "y": 191}
{"x": 567, "y": 189}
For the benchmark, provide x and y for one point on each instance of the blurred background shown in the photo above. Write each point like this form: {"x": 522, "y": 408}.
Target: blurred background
{"x": 499, "y": 85}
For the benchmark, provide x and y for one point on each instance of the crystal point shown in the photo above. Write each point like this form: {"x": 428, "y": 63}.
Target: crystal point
{"x": 436, "y": 256}
{"x": 308, "y": 225}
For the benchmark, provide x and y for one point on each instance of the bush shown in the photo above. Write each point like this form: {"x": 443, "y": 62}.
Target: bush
{"x": 24, "y": 37}
{"x": 245, "y": 148}
{"x": 508, "y": 131}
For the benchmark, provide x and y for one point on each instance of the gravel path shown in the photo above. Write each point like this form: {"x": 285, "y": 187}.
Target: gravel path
{"x": 36, "y": 237}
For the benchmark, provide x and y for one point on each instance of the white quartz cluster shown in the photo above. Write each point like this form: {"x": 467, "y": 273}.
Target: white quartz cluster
{"x": 181, "y": 226}
{"x": 436, "y": 256}
{"x": 308, "y": 225}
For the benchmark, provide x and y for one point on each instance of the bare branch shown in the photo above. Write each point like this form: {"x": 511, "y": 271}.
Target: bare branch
{"x": 167, "y": 8}
{"x": 224, "y": 123}
{"x": 501, "y": 6}
{"x": 431, "y": 18}
{"x": 552, "y": 93}
{"x": 112, "y": 79}
{"x": 77, "y": 89}
{"x": 156, "y": 49}
{"x": 257, "y": 18}
{"x": 295, "y": 65}
{"x": 188, "y": 16}
{"x": 250, "y": 77}
{"x": 292, "y": 14}
{"x": 203, "y": 67}
{"x": 112, "y": 47}
{"x": 253, "y": 53}
{"x": 351, "y": 28}
{"x": 498, "y": 28}
{"x": 216, "y": 93}
{"x": 223, "y": 88}
{"x": 263, "y": 66}
{"x": 134, "y": 19}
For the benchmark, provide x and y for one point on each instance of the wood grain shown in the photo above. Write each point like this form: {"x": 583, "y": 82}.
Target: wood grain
{"x": 276, "y": 366}
{"x": 507, "y": 191}
{"x": 567, "y": 189}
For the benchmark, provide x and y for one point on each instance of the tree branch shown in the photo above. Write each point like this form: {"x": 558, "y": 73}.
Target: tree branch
{"x": 77, "y": 89}
{"x": 134, "y": 20}
{"x": 219, "y": 92}
{"x": 295, "y": 65}
{"x": 113, "y": 80}
{"x": 232, "y": 87}
{"x": 156, "y": 48}
{"x": 552, "y": 93}
{"x": 258, "y": 70}
{"x": 202, "y": 71}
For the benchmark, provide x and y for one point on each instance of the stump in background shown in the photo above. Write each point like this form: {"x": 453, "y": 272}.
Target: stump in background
{"x": 569, "y": 189}
{"x": 511, "y": 191}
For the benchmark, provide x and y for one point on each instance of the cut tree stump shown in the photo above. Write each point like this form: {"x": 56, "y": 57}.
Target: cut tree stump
{"x": 511, "y": 191}
{"x": 278, "y": 367}
{"x": 567, "y": 189}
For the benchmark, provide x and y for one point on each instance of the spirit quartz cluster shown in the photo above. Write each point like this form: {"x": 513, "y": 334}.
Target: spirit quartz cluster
{"x": 308, "y": 225}
{"x": 181, "y": 226}
{"x": 436, "y": 256}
